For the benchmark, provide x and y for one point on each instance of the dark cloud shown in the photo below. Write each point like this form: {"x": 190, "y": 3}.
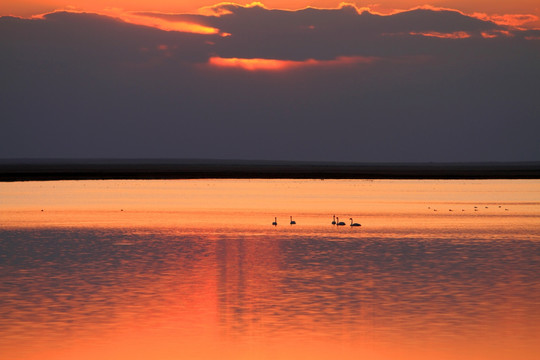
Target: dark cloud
{"x": 84, "y": 85}
{"x": 329, "y": 33}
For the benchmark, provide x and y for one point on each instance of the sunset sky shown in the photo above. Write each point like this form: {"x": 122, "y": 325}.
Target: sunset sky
{"x": 32, "y": 7}
{"x": 390, "y": 81}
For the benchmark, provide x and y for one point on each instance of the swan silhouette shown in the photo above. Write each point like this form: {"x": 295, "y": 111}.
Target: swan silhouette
{"x": 275, "y": 221}
{"x": 339, "y": 223}
{"x": 292, "y": 221}
{"x": 353, "y": 223}
{"x": 334, "y": 220}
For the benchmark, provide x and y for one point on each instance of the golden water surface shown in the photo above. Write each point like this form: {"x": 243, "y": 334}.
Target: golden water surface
{"x": 194, "y": 269}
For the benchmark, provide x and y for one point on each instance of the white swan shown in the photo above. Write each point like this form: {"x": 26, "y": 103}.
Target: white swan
{"x": 292, "y": 221}
{"x": 339, "y": 223}
{"x": 354, "y": 224}
{"x": 275, "y": 221}
{"x": 334, "y": 220}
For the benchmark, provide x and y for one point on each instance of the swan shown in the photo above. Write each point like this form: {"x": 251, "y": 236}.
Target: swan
{"x": 339, "y": 223}
{"x": 334, "y": 221}
{"x": 292, "y": 221}
{"x": 354, "y": 224}
{"x": 275, "y": 221}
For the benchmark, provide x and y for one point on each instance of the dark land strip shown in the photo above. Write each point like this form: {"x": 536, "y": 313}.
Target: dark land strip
{"x": 39, "y": 170}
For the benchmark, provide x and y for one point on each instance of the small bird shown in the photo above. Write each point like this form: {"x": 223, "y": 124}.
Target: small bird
{"x": 275, "y": 221}
{"x": 292, "y": 221}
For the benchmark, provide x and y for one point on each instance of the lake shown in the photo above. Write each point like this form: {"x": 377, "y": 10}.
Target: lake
{"x": 194, "y": 269}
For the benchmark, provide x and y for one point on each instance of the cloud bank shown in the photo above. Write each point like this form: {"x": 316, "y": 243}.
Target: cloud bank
{"x": 312, "y": 84}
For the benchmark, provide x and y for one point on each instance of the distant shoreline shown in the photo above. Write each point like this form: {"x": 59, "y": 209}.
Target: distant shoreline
{"x": 45, "y": 170}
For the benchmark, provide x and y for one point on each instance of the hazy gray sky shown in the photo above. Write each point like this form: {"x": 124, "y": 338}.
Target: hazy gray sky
{"x": 311, "y": 84}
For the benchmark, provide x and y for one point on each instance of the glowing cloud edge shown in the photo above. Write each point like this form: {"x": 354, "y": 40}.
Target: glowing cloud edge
{"x": 516, "y": 21}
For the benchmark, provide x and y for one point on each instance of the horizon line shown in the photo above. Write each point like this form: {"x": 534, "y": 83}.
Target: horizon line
{"x": 161, "y": 169}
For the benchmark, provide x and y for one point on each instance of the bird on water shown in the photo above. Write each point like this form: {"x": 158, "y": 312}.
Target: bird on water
{"x": 353, "y": 223}
{"x": 292, "y": 221}
{"x": 340, "y": 223}
{"x": 334, "y": 221}
{"x": 275, "y": 221}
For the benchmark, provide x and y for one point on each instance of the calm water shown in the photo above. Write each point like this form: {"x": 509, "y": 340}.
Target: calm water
{"x": 195, "y": 270}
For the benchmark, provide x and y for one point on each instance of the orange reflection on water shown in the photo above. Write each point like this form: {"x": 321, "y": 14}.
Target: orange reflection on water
{"x": 194, "y": 269}
{"x": 211, "y": 203}
{"x": 162, "y": 292}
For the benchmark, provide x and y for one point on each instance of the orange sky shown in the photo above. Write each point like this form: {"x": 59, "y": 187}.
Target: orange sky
{"x": 32, "y": 7}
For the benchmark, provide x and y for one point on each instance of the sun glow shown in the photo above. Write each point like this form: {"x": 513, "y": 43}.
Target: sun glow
{"x": 514, "y": 13}
{"x": 454, "y": 35}
{"x": 147, "y": 20}
{"x": 165, "y": 25}
{"x": 521, "y": 15}
{"x": 496, "y": 33}
{"x": 280, "y": 65}
{"x": 512, "y": 20}
{"x": 221, "y": 8}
